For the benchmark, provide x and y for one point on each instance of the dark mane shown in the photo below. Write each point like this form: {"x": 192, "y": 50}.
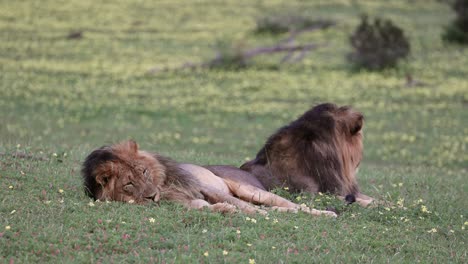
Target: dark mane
{"x": 95, "y": 159}
{"x": 308, "y": 147}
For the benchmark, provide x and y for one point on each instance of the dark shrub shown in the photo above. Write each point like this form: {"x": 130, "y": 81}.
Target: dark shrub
{"x": 458, "y": 30}
{"x": 379, "y": 45}
{"x": 286, "y": 23}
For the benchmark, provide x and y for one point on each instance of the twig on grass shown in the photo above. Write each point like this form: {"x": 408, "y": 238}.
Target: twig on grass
{"x": 240, "y": 59}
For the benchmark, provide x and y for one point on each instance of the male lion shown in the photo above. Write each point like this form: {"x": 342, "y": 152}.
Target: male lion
{"x": 122, "y": 172}
{"x": 318, "y": 152}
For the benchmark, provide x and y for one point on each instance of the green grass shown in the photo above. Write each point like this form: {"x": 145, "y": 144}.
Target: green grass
{"x": 61, "y": 98}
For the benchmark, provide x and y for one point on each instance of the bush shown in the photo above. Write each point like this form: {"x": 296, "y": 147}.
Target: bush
{"x": 287, "y": 23}
{"x": 458, "y": 30}
{"x": 379, "y": 45}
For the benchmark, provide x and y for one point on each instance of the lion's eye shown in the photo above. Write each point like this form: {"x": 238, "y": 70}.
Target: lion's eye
{"x": 128, "y": 187}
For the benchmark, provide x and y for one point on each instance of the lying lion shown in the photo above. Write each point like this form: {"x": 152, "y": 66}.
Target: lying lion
{"x": 318, "y": 152}
{"x": 122, "y": 172}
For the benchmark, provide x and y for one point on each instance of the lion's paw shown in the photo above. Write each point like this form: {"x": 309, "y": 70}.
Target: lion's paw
{"x": 223, "y": 208}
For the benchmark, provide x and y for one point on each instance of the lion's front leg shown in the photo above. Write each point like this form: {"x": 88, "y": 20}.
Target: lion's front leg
{"x": 255, "y": 195}
{"x": 215, "y": 196}
{"x": 217, "y": 207}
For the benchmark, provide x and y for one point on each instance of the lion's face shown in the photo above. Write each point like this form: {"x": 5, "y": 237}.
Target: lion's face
{"x": 350, "y": 125}
{"x": 126, "y": 174}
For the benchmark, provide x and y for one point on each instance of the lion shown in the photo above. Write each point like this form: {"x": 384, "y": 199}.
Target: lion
{"x": 123, "y": 172}
{"x": 319, "y": 152}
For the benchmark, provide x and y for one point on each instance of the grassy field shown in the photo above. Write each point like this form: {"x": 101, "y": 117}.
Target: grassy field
{"x": 60, "y": 98}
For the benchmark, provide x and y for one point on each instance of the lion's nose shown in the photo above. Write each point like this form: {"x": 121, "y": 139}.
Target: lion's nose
{"x": 154, "y": 197}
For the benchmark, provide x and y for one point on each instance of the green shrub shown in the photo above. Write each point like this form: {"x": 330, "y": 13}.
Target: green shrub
{"x": 458, "y": 30}
{"x": 379, "y": 45}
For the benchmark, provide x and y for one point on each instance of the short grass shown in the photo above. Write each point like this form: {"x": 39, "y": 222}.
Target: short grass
{"x": 60, "y": 98}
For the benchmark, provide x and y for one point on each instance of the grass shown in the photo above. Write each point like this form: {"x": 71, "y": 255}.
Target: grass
{"x": 60, "y": 98}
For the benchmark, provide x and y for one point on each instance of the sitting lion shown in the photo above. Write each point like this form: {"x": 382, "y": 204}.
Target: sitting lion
{"x": 319, "y": 152}
{"x": 122, "y": 172}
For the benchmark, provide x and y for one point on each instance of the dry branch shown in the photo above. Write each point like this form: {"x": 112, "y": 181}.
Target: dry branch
{"x": 243, "y": 57}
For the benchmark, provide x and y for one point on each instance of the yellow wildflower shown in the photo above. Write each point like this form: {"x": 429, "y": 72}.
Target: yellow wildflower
{"x": 204, "y": 231}
{"x": 206, "y": 254}
{"x": 225, "y": 252}
{"x": 424, "y": 209}
{"x": 60, "y": 191}
{"x": 249, "y": 245}
{"x": 400, "y": 202}
{"x": 433, "y": 230}
{"x": 7, "y": 227}
{"x": 251, "y": 261}
{"x": 10, "y": 187}
{"x": 91, "y": 204}
{"x": 152, "y": 220}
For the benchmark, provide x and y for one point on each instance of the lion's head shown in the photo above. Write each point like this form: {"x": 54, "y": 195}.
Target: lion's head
{"x": 122, "y": 172}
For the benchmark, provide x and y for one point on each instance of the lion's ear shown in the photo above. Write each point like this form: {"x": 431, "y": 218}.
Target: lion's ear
{"x": 102, "y": 179}
{"x": 357, "y": 124}
{"x": 132, "y": 145}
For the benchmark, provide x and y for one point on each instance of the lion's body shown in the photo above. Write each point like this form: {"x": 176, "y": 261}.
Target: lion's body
{"x": 318, "y": 152}
{"x": 124, "y": 173}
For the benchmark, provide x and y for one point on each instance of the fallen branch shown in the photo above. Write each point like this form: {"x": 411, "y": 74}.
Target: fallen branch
{"x": 240, "y": 60}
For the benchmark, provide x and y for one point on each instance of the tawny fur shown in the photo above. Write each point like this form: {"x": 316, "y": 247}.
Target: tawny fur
{"x": 122, "y": 172}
